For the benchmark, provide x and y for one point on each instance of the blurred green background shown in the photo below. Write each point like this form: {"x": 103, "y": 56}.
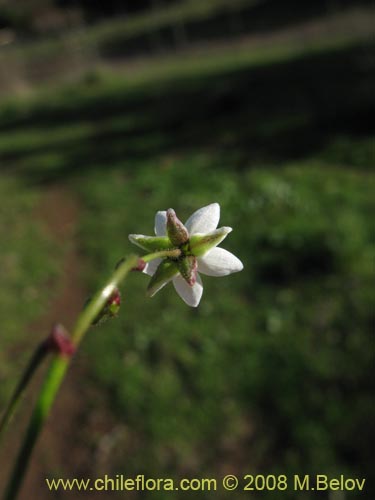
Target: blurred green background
{"x": 111, "y": 112}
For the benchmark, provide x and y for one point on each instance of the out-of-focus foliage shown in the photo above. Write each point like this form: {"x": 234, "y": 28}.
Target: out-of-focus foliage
{"x": 49, "y": 44}
{"x": 27, "y": 272}
{"x": 272, "y": 372}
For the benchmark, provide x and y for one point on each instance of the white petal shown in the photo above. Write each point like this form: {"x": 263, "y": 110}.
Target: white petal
{"x": 204, "y": 220}
{"x": 151, "y": 267}
{"x": 161, "y": 223}
{"x": 219, "y": 262}
{"x": 189, "y": 294}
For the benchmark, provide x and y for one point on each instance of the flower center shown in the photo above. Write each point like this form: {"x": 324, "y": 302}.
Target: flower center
{"x": 185, "y": 252}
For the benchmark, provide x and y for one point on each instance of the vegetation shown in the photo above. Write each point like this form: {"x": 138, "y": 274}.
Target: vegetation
{"x": 27, "y": 277}
{"x": 276, "y": 361}
{"x": 272, "y": 372}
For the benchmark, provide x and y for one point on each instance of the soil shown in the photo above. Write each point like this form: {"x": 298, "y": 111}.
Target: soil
{"x": 62, "y": 449}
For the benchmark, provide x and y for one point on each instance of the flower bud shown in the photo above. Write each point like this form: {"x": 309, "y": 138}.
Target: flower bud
{"x": 110, "y": 309}
{"x": 177, "y": 232}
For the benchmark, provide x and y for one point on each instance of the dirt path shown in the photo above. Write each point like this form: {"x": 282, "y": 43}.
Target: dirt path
{"x": 60, "y": 450}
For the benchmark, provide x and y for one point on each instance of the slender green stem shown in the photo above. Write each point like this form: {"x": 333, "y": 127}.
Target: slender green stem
{"x": 99, "y": 300}
{"x": 57, "y": 371}
{"x": 35, "y": 361}
{"x": 174, "y": 253}
{"x": 47, "y": 394}
{"x": 41, "y": 351}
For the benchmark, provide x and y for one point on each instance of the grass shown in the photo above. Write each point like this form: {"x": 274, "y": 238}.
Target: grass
{"x": 133, "y": 46}
{"x": 271, "y": 373}
{"x": 143, "y": 24}
{"x": 139, "y": 30}
{"x": 28, "y": 272}
{"x": 238, "y": 110}
{"x": 167, "y": 17}
{"x": 272, "y": 358}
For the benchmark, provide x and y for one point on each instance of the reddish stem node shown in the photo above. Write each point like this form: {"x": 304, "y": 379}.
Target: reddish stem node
{"x": 140, "y": 266}
{"x": 59, "y": 341}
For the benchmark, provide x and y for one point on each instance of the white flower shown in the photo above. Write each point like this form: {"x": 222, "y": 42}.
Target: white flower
{"x": 197, "y": 239}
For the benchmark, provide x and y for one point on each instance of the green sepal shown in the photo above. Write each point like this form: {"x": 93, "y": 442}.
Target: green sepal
{"x": 188, "y": 268}
{"x": 202, "y": 243}
{"x": 151, "y": 243}
{"x": 164, "y": 273}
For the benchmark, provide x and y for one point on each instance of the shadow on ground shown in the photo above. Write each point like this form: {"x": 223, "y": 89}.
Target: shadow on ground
{"x": 267, "y": 113}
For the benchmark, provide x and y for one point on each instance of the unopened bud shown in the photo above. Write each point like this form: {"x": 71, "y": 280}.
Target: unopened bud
{"x": 114, "y": 302}
{"x": 177, "y": 232}
{"x": 110, "y": 309}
